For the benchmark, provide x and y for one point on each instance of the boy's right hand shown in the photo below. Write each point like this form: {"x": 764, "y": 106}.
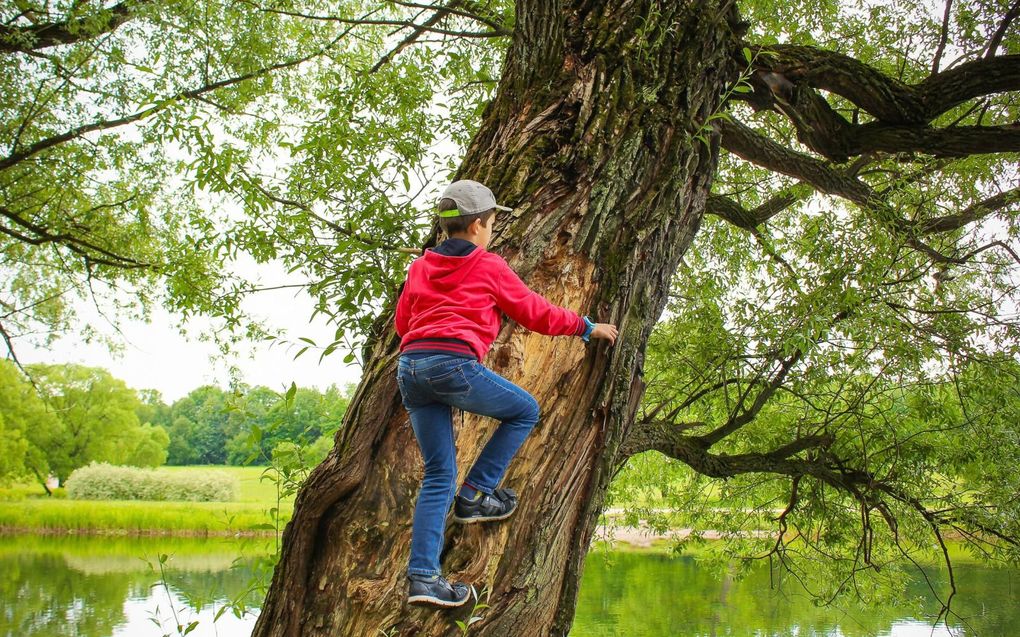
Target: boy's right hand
{"x": 606, "y": 331}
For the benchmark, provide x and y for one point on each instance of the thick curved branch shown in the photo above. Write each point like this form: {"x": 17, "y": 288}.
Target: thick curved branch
{"x": 692, "y": 451}
{"x": 887, "y": 99}
{"x": 976, "y": 78}
{"x": 731, "y": 211}
{"x": 788, "y": 79}
{"x": 829, "y": 134}
{"x": 758, "y": 149}
{"x": 22, "y": 39}
{"x": 958, "y": 141}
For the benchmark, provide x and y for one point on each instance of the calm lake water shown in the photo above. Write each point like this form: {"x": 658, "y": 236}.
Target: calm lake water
{"x": 102, "y": 587}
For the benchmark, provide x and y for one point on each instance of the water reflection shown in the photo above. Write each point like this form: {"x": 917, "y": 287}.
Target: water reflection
{"x": 97, "y": 587}
{"x": 654, "y": 595}
{"x": 102, "y": 587}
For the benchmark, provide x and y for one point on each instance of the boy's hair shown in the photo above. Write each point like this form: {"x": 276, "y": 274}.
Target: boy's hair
{"x": 459, "y": 224}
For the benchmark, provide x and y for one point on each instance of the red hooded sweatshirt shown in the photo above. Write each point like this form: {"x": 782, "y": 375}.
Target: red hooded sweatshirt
{"x": 459, "y": 297}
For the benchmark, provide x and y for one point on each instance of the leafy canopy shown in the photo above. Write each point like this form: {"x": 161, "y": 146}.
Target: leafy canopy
{"x": 148, "y": 146}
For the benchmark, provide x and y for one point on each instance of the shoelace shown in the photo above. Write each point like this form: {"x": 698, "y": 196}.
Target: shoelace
{"x": 456, "y": 589}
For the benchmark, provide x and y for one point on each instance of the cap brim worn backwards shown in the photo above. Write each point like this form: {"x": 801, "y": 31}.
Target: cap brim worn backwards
{"x": 457, "y": 213}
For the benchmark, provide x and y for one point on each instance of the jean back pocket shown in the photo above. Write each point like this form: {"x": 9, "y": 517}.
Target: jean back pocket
{"x": 450, "y": 383}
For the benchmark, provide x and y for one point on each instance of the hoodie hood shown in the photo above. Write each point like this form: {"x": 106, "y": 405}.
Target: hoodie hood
{"x": 455, "y": 247}
{"x": 447, "y": 272}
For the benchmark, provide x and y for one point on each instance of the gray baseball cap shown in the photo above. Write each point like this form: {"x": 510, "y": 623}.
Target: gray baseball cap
{"x": 471, "y": 198}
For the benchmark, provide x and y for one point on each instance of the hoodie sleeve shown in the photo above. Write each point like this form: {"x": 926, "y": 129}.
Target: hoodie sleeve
{"x": 531, "y": 309}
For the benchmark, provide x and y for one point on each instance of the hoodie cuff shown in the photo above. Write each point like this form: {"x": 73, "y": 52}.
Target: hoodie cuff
{"x": 581, "y": 326}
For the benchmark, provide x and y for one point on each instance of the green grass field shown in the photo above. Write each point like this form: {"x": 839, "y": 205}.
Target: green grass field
{"x": 26, "y": 507}
{"x": 253, "y": 488}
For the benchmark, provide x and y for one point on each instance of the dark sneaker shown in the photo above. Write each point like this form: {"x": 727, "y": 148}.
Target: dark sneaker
{"x": 424, "y": 591}
{"x": 497, "y": 506}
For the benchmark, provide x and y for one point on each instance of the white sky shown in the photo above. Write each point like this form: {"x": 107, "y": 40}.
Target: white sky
{"x": 157, "y": 356}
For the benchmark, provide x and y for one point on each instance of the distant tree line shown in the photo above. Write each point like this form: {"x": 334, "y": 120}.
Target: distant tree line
{"x": 244, "y": 425}
{"x": 61, "y": 417}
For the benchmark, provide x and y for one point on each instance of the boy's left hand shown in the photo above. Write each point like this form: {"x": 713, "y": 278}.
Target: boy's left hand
{"x": 606, "y": 331}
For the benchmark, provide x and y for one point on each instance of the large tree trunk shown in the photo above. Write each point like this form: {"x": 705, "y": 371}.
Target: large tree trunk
{"x": 591, "y": 138}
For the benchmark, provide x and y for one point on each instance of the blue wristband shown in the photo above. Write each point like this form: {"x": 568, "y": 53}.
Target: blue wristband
{"x": 589, "y": 327}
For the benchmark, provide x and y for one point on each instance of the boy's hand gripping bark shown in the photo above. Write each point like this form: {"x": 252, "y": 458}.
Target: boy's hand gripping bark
{"x": 606, "y": 331}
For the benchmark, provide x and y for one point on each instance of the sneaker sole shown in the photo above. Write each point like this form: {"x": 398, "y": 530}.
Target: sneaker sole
{"x": 456, "y": 518}
{"x": 429, "y": 600}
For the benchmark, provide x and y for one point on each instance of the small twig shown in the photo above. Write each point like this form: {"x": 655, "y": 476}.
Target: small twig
{"x": 942, "y": 38}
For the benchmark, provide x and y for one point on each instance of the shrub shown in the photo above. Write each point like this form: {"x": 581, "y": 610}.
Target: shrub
{"x": 101, "y": 481}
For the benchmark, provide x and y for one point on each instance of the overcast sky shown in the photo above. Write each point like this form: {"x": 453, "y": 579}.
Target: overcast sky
{"x": 157, "y": 356}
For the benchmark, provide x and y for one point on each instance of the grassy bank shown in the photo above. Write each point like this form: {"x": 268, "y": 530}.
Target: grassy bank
{"x": 27, "y": 508}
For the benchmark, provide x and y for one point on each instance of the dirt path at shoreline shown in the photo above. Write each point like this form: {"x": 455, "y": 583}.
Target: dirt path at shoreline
{"x": 643, "y": 537}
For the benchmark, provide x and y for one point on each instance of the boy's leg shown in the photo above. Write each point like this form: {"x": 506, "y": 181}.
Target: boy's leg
{"x": 433, "y": 427}
{"x": 494, "y": 396}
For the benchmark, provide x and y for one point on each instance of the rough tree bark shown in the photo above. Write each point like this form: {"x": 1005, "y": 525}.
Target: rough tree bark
{"x": 591, "y": 138}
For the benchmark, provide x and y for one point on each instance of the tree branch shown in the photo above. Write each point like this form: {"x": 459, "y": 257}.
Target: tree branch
{"x": 23, "y": 39}
{"x": 731, "y": 211}
{"x": 996, "y": 39}
{"x": 76, "y": 244}
{"x": 959, "y": 141}
{"x": 740, "y": 417}
{"x": 691, "y": 450}
{"x": 974, "y": 212}
{"x": 335, "y": 227}
{"x": 887, "y": 99}
{"x": 754, "y": 147}
{"x": 464, "y": 8}
{"x": 413, "y": 36}
{"x": 943, "y": 36}
{"x": 440, "y": 13}
{"x": 101, "y": 125}
{"x": 787, "y": 79}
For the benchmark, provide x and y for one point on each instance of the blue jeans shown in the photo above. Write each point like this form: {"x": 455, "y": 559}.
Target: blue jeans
{"x": 430, "y": 385}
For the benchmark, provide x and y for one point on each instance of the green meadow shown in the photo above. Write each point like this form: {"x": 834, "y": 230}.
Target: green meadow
{"x": 26, "y": 507}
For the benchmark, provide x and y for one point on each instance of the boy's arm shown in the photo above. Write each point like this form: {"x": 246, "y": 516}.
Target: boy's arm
{"x": 531, "y": 310}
